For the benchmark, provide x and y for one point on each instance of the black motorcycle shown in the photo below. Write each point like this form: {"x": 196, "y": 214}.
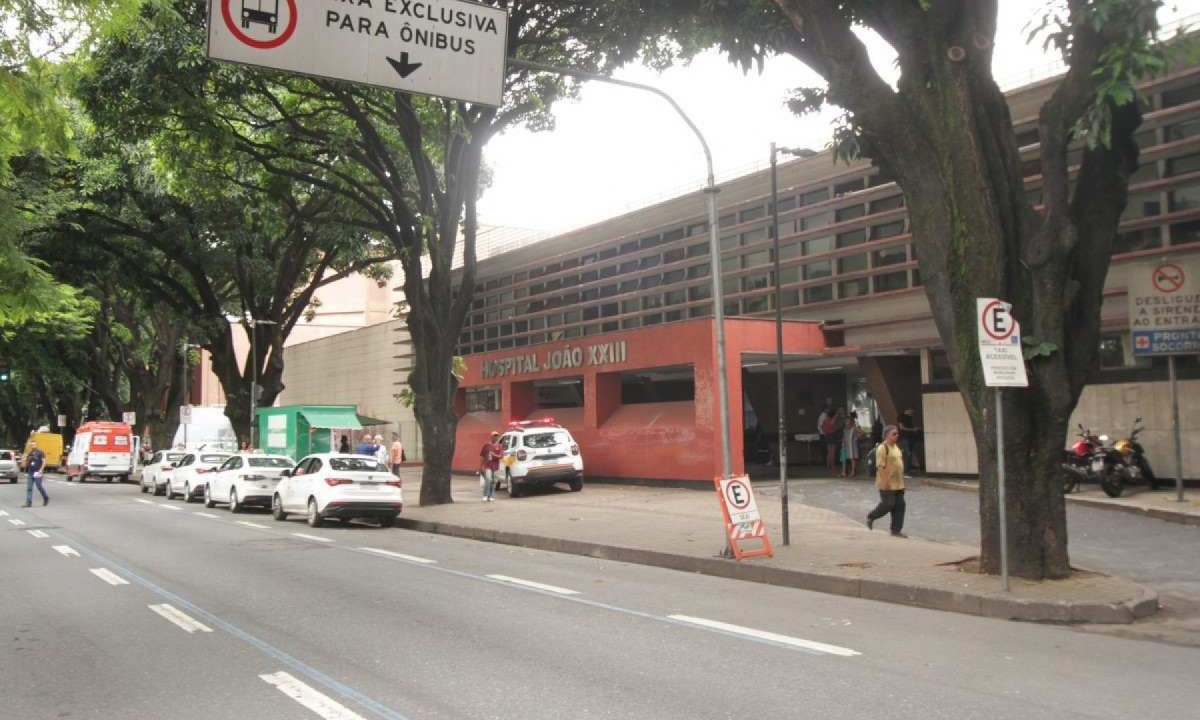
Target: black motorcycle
{"x": 1077, "y": 460}
{"x": 1125, "y": 462}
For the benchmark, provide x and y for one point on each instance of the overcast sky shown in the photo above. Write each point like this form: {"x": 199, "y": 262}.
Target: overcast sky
{"x": 619, "y": 149}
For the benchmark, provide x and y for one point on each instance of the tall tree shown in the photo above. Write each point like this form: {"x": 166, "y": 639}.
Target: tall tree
{"x": 945, "y": 133}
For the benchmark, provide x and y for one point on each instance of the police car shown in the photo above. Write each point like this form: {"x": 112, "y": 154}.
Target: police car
{"x": 539, "y": 452}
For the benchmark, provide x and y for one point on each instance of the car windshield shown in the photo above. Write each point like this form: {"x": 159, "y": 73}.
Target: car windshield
{"x": 174, "y": 457}
{"x": 215, "y": 459}
{"x": 348, "y": 464}
{"x": 544, "y": 440}
{"x": 269, "y": 462}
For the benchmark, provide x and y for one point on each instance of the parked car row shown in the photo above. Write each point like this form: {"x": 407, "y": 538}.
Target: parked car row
{"x": 320, "y": 486}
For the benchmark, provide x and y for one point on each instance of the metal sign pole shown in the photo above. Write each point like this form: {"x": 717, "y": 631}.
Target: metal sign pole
{"x": 1175, "y": 424}
{"x": 1000, "y": 491}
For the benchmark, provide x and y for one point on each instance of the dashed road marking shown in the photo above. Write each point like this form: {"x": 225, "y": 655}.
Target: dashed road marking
{"x": 534, "y": 585}
{"x": 319, "y": 703}
{"x": 177, "y": 617}
{"x": 66, "y": 550}
{"x": 144, "y": 501}
{"x": 165, "y": 506}
{"x": 3, "y": 513}
{"x": 16, "y": 521}
{"x": 318, "y": 538}
{"x": 247, "y": 523}
{"x": 767, "y": 636}
{"x": 401, "y": 556}
{"x": 109, "y": 576}
{"x": 41, "y": 535}
{"x": 207, "y": 515}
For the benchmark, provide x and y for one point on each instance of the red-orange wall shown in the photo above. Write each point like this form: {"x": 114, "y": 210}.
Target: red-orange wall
{"x": 677, "y": 441}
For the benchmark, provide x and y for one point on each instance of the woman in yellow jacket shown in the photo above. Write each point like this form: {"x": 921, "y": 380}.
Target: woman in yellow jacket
{"x": 889, "y": 479}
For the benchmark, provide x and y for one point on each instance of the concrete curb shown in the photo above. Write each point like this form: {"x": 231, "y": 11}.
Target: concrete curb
{"x": 993, "y": 606}
{"x": 1157, "y": 513}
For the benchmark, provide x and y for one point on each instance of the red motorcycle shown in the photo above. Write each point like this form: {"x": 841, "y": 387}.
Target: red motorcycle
{"x": 1077, "y": 462}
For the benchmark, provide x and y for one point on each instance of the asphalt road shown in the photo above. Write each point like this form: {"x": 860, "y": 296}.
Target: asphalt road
{"x": 117, "y": 605}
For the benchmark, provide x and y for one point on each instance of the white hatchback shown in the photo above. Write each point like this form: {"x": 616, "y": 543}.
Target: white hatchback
{"x": 191, "y": 474}
{"x": 157, "y": 473}
{"x": 246, "y": 479}
{"x": 334, "y": 485}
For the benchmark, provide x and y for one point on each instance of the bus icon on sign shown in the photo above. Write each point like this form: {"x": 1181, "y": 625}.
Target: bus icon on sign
{"x": 262, "y": 12}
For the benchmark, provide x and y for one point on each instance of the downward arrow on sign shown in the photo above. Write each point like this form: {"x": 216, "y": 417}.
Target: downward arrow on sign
{"x": 403, "y": 66}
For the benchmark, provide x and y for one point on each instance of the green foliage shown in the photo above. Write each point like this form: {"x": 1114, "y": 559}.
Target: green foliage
{"x": 1036, "y": 347}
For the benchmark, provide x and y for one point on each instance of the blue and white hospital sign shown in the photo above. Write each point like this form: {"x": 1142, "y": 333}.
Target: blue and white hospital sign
{"x": 448, "y": 48}
{"x": 1164, "y": 307}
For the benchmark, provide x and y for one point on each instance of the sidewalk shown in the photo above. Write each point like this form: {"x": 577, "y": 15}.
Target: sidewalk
{"x": 682, "y": 529}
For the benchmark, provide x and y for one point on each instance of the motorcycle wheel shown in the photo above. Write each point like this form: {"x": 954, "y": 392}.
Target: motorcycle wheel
{"x": 1070, "y": 481}
{"x": 1110, "y": 483}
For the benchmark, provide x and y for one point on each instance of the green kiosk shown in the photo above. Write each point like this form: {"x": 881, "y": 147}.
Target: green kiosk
{"x": 298, "y": 430}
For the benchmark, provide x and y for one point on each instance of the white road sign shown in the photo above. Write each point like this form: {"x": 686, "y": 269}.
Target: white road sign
{"x": 129, "y": 418}
{"x": 739, "y": 500}
{"x": 448, "y": 48}
{"x": 1000, "y": 344}
{"x": 1164, "y": 307}
{"x": 185, "y": 414}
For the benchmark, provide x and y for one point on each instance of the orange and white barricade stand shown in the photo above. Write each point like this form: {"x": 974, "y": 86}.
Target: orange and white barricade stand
{"x": 742, "y": 521}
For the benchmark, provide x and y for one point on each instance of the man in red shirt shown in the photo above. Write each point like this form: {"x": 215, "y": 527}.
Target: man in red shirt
{"x": 489, "y": 463}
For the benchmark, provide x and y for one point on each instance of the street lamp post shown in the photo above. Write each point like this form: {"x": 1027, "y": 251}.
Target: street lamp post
{"x": 783, "y": 476}
{"x": 254, "y": 323}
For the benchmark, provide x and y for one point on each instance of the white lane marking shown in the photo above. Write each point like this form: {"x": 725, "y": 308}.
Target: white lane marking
{"x": 109, "y": 576}
{"x": 144, "y": 501}
{"x": 321, "y": 704}
{"x": 318, "y": 538}
{"x": 207, "y": 515}
{"x": 38, "y": 534}
{"x": 176, "y": 616}
{"x": 402, "y": 556}
{"x": 535, "y": 585}
{"x": 165, "y": 506}
{"x": 66, "y": 550}
{"x": 16, "y": 521}
{"x": 768, "y": 636}
{"x": 253, "y": 525}
{"x": 3, "y": 513}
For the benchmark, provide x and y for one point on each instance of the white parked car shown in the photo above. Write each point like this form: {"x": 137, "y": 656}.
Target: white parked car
{"x": 334, "y": 485}
{"x": 191, "y": 474}
{"x": 539, "y": 452}
{"x": 8, "y": 465}
{"x": 245, "y": 479}
{"x": 157, "y": 472}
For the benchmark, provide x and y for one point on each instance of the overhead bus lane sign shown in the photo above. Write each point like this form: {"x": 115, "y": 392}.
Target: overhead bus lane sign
{"x": 447, "y": 48}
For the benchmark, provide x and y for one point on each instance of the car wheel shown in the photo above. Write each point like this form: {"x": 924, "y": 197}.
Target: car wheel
{"x": 167, "y": 490}
{"x": 233, "y": 501}
{"x": 159, "y": 490}
{"x": 187, "y": 492}
{"x": 144, "y": 488}
{"x": 208, "y": 501}
{"x": 513, "y": 490}
{"x": 314, "y": 517}
{"x": 277, "y": 509}
{"x": 108, "y": 479}
{"x": 576, "y": 484}
{"x": 82, "y": 477}
{"x": 387, "y": 521}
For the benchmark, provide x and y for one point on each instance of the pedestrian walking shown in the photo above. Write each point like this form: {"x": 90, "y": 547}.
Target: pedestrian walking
{"x": 344, "y": 445}
{"x": 889, "y": 480}
{"x": 396, "y": 454}
{"x": 827, "y": 429}
{"x": 35, "y": 465}
{"x": 489, "y": 464}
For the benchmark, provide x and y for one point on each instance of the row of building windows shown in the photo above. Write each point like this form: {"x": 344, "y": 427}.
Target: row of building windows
{"x": 844, "y": 240}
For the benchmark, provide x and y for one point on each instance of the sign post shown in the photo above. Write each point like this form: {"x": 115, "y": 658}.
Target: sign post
{"x": 1164, "y": 319}
{"x": 447, "y": 48}
{"x": 1003, "y": 366}
{"x": 742, "y": 519}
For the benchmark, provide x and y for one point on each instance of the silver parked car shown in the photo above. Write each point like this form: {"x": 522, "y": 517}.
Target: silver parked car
{"x": 8, "y": 465}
